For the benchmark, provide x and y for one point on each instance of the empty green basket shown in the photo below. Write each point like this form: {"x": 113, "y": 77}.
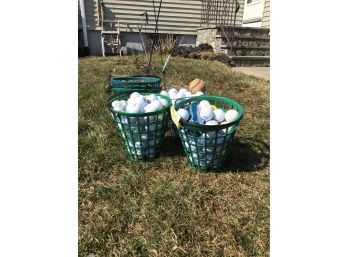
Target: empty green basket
{"x": 206, "y": 147}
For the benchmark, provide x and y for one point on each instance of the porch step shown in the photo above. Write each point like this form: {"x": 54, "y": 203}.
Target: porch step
{"x": 253, "y": 61}
{"x": 244, "y": 37}
{"x": 246, "y": 50}
{"x": 250, "y": 46}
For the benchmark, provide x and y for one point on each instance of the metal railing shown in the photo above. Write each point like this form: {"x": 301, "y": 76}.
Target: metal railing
{"x": 223, "y": 14}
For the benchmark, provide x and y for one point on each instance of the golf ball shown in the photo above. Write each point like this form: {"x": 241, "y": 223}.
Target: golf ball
{"x": 212, "y": 123}
{"x": 172, "y": 91}
{"x": 188, "y": 94}
{"x": 184, "y": 114}
{"x": 206, "y": 113}
{"x": 117, "y": 105}
{"x": 164, "y": 102}
{"x": 198, "y": 93}
{"x": 180, "y": 95}
{"x": 219, "y": 115}
{"x": 183, "y": 90}
{"x": 227, "y": 130}
{"x": 135, "y": 107}
{"x": 124, "y": 120}
{"x": 157, "y": 104}
{"x": 150, "y": 108}
{"x": 134, "y": 95}
{"x": 203, "y": 103}
{"x": 151, "y": 97}
{"x": 124, "y": 103}
{"x": 164, "y": 93}
{"x": 231, "y": 115}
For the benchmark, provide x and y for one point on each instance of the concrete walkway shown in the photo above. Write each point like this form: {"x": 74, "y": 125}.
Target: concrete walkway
{"x": 260, "y": 72}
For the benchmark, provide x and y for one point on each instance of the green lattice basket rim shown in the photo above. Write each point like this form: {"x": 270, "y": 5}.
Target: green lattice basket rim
{"x": 143, "y": 84}
{"x": 199, "y": 127}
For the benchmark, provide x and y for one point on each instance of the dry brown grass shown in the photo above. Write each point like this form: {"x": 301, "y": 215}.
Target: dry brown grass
{"x": 164, "y": 207}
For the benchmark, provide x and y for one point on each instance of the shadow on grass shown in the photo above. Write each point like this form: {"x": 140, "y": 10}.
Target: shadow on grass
{"x": 172, "y": 147}
{"x": 247, "y": 155}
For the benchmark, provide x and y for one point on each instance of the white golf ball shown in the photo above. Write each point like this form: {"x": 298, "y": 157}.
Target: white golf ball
{"x": 135, "y": 107}
{"x": 164, "y": 93}
{"x": 117, "y": 105}
{"x": 144, "y": 136}
{"x": 139, "y": 99}
{"x": 124, "y": 103}
{"x": 164, "y": 102}
{"x": 160, "y": 116}
{"x": 180, "y": 95}
{"x": 124, "y": 120}
{"x": 198, "y": 93}
{"x": 219, "y": 115}
{"x": 188, "y": 94}
{"x": 150, "y": 108}
{"x": 206, "y": 113}
{"x": 228, "y": 130}
{"x": 203, "y": 103}
{"x": 151, "y": 127}
{"x": 199, "y": 119}
{"x": 135, "y": 99}
{"x": 134, "y": 94}
{"x": 172, "y": 91}
{"x": 184, "y": 114}
{"x": 212, "y": 123}
{"x": 172, "y": 96}
{"x": 157, "y": 104}
{"x": 190, "y": 147}
{"x": 151, "y": 97}
{"x": 183, "y": 90}
{"x": 231, "y": 115}
{"x": 209, "y": 149}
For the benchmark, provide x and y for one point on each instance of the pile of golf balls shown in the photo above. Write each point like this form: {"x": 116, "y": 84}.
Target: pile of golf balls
{"x": 141, "y": 134}
{"x": 206, "y": 114}
{"x": 175, "y": 94}
{"x": 138, "y": 103}
{"x": 207, "y": 149}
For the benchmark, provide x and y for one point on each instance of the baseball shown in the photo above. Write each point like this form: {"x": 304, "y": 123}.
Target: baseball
{"x": 197, "y": 85}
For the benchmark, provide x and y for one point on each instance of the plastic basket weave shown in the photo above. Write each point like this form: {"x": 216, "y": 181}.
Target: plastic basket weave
{"x": 206, "y": 147}
{"x": 124, "y": 86}
{"x": 142, "y": 133}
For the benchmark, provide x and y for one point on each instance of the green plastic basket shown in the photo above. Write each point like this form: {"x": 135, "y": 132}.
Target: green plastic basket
{"x": 124, "y": 86}
{"x": 142, "y": 133}
{"x": 206, "y": 147}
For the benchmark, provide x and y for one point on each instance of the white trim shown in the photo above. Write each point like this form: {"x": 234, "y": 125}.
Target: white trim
{"x": 83, "y": 20}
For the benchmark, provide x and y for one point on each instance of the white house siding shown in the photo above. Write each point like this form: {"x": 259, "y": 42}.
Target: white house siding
{"x": 176, "y": 17}
{"x": 266, "y": 15}
{"x": 91, "y": 12}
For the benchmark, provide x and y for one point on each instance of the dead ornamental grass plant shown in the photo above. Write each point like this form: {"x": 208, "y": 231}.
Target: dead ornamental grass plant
{"x": 164, "y": 207}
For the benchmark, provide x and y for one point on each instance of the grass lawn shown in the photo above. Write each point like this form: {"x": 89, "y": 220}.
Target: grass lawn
{"x": 164, "y": 207}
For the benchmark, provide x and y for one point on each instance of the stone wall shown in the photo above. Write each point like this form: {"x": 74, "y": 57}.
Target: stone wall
{"x": 208, "y": 36}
